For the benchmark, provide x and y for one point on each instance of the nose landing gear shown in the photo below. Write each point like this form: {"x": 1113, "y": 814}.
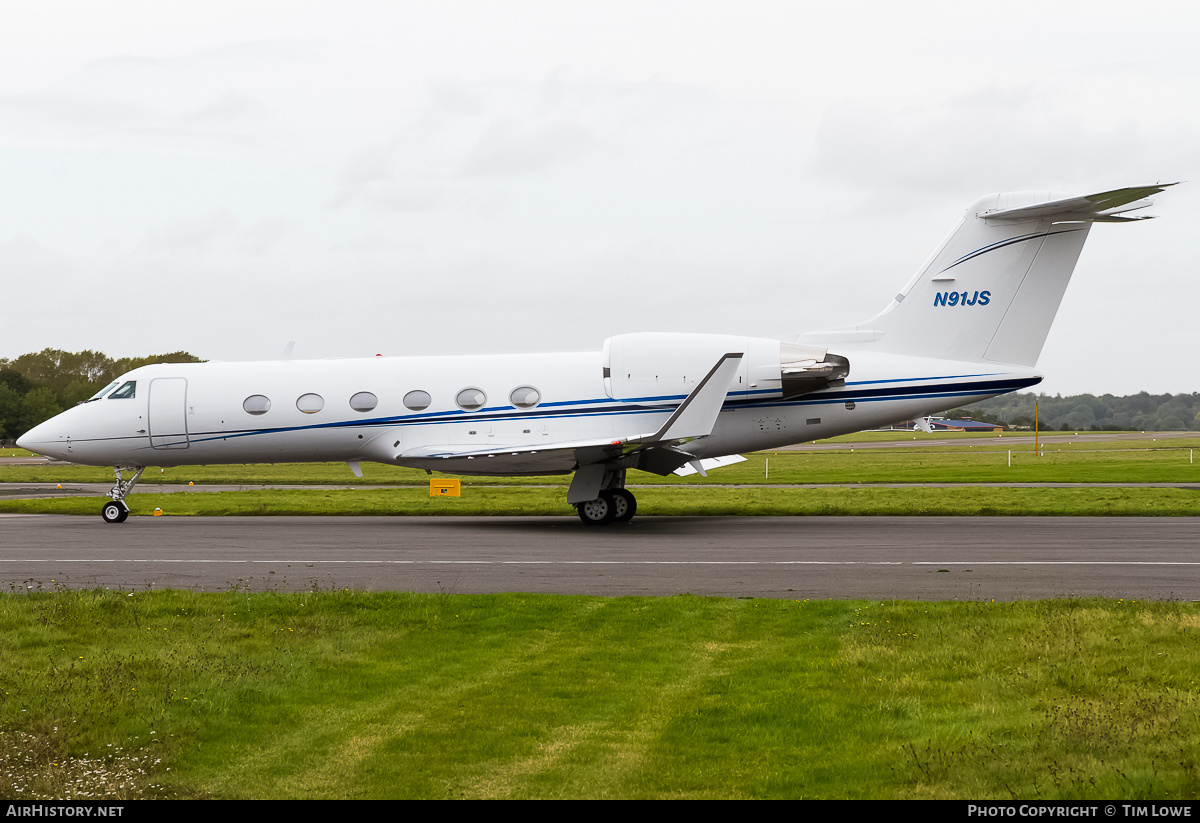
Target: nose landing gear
{"x": 116, "y": 511}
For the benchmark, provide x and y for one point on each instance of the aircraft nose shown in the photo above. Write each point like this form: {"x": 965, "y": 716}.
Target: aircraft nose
{"x": 27, "y": 440}
{"x": 41, "y": 440}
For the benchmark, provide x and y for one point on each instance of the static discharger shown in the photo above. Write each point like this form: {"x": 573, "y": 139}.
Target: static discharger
{"x": 445, "y": 488}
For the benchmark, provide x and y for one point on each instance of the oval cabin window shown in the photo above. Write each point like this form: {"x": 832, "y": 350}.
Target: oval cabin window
{"x": 256, "y": 404}
{"x": 471, "y": 399}
{"x": 310, "y": 403}
{"x": 525, "y": 397}
{"x": 417, "y": 400}
{"x": 364, "y": 401}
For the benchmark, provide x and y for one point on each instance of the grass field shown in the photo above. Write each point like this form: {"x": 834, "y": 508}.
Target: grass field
{"x": 1062, "y": 460}
{"x": 345, "y": 694}
{"x": 699, "y": 500}
{"x": 353, "y": 695}
{"x": 986, "y": 460}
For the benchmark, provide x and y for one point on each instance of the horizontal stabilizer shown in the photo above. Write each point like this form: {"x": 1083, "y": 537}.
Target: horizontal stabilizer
{"x": 1102, "y": 207}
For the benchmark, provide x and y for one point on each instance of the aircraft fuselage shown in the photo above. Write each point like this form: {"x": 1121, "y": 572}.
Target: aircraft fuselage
{"x": 196, "y": 413}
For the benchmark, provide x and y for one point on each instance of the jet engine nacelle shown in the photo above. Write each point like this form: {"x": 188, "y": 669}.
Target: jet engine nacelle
{"x": 665, "y": 368}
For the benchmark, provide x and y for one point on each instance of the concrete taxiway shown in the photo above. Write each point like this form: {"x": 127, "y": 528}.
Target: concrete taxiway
{"x": 920, "y": 558}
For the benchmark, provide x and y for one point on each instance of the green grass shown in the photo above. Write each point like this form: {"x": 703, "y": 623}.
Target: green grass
{"x": 700, "y": 500}
{"x": 1062, "y": 464}
{"x": 343, "y": 694}
{"x": 985, "y": 460}
{"x": 1063, "y": 460}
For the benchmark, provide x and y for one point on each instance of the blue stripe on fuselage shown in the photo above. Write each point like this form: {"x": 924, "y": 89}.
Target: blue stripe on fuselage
{"x": 570, "y": 409}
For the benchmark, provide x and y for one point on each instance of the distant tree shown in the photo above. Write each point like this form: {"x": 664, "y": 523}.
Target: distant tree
{"x": 1139, "y": 412}
{"x": 37, "y": 386}
{"x": 1081, "y": 415}
{"x": 125, "y": 364}
{"x": 10, "y": 411}
{"x": 51, "y": 367}
{"x": 37, "y": 406}
{"x": 75, "y": 376}
{"x": 14, "y": 380}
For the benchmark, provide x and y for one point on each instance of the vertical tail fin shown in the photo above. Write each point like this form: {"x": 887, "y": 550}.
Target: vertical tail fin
{"x": 991, "y": 291}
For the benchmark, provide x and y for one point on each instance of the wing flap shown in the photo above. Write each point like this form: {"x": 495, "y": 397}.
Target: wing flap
{"x": 555, "y": 458}
{"x": 702, "y": 466}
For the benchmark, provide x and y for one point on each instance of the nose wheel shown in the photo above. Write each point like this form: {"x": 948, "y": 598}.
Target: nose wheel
{"x": 115, "y": 512}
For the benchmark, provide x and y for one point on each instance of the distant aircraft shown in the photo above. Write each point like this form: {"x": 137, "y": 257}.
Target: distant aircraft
{"x": 969, "y": 326}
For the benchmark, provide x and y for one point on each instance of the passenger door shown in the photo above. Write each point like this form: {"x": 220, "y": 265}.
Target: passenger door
{"x": 168, "y": 413}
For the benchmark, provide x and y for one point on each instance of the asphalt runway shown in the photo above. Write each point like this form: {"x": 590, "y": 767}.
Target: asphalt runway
{"x": 915, "y": 558}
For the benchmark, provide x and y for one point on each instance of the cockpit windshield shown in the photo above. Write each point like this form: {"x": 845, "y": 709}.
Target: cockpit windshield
{"x": 103, "y": 391}
{"x": 125, "y": 392}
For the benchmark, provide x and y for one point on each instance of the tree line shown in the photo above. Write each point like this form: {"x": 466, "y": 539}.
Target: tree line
{"x": 1087, "y": 412}
{"x": 35, "y": 387}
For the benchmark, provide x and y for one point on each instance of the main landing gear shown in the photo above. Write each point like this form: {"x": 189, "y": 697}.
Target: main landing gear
{"x": 613, "y": 505}
{"x": 116, "y": 511}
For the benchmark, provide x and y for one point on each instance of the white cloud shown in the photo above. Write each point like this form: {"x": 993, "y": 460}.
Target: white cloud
{"x": 517, "y": 146}
{"x": 193, "y": 234}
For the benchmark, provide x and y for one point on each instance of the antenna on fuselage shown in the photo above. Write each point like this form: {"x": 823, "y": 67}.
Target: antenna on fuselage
{"x": 287, "y": 350}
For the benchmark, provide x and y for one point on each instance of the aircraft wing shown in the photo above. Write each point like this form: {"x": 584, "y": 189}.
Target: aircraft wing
{"x": 1104, "y": 206}
{"x": 552, "y": 458}
{"x": 660, "y": 451}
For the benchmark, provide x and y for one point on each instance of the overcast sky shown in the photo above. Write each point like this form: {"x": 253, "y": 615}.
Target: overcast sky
{"x": 420, "y": 177}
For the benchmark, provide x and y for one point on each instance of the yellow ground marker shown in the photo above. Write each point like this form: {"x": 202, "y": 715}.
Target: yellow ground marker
{"x": 445, "y": 488}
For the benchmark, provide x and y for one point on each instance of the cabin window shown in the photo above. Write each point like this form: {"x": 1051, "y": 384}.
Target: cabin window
{"x": 470, "y": 399}
{"x": 364, "y": 401}
{"x": 310, "y": 403}
{"x": 417, "y": 400}
{"x": 103, "y": 391}
{"x": 256, "y": 404}
{"x": 126, "y": 392}
{"x": 525, "y": 397}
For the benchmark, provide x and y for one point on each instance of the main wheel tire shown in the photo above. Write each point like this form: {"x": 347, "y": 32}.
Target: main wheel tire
{"x": 624, "y": 505}
{"x": 596, "y": 512}
{"x": 115, "y": 512}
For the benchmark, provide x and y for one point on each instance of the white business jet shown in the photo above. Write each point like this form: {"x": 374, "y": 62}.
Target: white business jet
{"x": 970, "y": 325}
